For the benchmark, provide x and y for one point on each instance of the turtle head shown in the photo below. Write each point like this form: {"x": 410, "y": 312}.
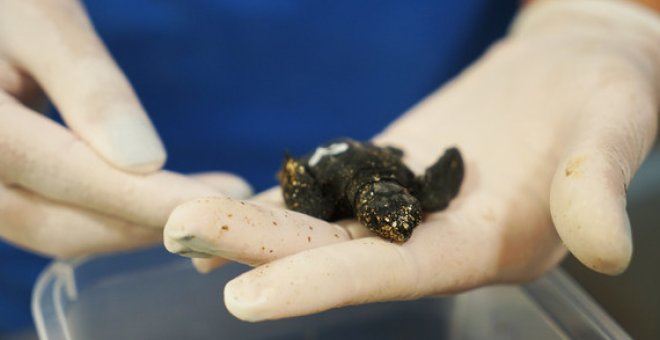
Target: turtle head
{"x": 388, "y": 209}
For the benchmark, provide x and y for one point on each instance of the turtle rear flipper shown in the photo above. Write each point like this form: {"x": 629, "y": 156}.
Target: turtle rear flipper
{"x": 301, "y": 191}
{"x": 441, "y": 181}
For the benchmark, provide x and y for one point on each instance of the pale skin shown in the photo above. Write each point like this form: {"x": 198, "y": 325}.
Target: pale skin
{"x": 548, "y": 157}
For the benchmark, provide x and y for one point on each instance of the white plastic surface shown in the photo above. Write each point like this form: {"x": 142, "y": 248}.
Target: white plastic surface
{"x": 151, "y": 294}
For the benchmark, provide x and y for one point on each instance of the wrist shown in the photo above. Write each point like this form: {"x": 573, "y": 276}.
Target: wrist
{"x": 615, "y": 16}
{"x": 622, "y": 27}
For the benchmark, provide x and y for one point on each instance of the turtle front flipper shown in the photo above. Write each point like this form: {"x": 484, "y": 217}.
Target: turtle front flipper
{"x": 301, "y": 191}
{"x": 441, "y": 181}
{"x": 398, "y": 153}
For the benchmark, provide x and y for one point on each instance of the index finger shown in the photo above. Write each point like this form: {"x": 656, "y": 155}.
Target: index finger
{"x": 56, "y": 44}
{"x": 42, "y": 156}
{"x": 249, "y": 232}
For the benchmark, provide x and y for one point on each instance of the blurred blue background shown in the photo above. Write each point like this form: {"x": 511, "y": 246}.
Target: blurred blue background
{"x": 231, "y": 84}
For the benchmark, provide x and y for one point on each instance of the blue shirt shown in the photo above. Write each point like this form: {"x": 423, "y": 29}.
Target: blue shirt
{"x": 232, "y": 84}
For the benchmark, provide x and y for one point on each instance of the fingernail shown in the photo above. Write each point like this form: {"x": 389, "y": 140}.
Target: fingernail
{"x": 173, "y": 246}
{"x": 182, "y": 241}
{"x": 134, "y": 144}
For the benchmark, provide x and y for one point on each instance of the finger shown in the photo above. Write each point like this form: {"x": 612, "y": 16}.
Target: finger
{"x": 204, "y": 244}
{"x": 588, "y": 193}
{"x": 438, "y": 258}
{"x": 207, "y": 265}
{"x": 45, "y": 158}
{"x": 53, "y": 229}
{"x": 56, "y": 43}
{"x": 226, "y": 183}
{"x": 232, "y": 186}
{"x": 246, "y": 232}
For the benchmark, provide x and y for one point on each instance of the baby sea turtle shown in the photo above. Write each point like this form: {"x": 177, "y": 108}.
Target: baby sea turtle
{"x": 347, "y": 178}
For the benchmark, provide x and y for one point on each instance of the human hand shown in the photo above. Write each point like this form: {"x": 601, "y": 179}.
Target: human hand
{"x": 552, "y": 122}
{"x": 93, "y": 186}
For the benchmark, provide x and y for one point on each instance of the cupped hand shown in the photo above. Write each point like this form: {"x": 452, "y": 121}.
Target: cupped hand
{"x": 553, "y": 122}
{"x": 93, "y": 185}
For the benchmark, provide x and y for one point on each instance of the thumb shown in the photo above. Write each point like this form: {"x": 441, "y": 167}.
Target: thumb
{"x": 226, "y": 183}
{"x": 588, "y": 192}
{"x": 55, "y": 42}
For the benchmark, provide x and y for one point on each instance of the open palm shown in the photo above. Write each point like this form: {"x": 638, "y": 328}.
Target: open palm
{"x": 552, "y": 128}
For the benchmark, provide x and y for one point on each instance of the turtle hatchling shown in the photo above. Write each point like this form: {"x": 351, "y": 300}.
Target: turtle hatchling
{"x": 347, "y": 178}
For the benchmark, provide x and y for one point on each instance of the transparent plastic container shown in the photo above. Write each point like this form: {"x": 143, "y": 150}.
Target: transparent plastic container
{"x": 151, "y": 294}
